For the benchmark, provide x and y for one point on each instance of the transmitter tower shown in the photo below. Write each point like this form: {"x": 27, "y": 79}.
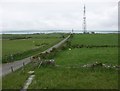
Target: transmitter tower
{"x": 84, "y": 21}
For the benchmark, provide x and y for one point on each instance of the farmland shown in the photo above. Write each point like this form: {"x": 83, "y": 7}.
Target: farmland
{"x": 26, "y": 45}
{"x": 69, "y": 75}
{"x": 80, "y": 56}
{"x": 95, "y": 39}
{"x": 69, "y": 58}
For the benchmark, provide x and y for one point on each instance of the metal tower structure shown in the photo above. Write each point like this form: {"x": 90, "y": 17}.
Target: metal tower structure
{"x": 84, "y": 20}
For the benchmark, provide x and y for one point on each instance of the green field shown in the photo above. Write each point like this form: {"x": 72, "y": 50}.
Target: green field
{"x": 21, "y": 46}
{"x": 65, "y": 75}
{"x": 61, "y": 77}
{"x": 74, "y": 78}
{"x": 95, "y": 39}
{"x": 16, "y": 46}
{"x": 80, "y": 56}
{"x": 79, "y": 78}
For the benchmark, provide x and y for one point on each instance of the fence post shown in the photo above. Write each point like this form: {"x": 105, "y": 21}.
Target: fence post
{"x": 23, "y": 64}
{"x": 12, "y": 68}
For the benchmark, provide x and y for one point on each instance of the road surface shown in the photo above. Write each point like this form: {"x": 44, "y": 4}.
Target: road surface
{"x": 9, "y": 67}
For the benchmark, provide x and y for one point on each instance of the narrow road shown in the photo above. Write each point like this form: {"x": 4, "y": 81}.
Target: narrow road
{"x": 8, "y": 67}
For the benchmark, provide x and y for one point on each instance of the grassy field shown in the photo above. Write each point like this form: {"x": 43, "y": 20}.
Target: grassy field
{"x": 26, "y": 45}
{"x": 95, "y": 39}
{"x": 74, "y": 78}
{"x": 80, "y": 56}
{"x": 63, "y": 77}
{"x": 79, "y": 78}
{"x": 15, "y": 46}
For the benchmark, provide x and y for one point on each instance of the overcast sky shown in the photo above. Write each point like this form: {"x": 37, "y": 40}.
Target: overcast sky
{"x": 58, "y": 14}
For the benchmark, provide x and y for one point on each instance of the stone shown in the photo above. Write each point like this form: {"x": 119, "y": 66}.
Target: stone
{"x": 31, "y": 72}
{"x": 69, "y": 49}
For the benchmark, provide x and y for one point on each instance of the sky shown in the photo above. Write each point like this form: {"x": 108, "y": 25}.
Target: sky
{"x": 58, "y": 14}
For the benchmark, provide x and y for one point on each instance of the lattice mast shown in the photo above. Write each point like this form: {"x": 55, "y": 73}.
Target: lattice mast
{"x": 84, "y": 20}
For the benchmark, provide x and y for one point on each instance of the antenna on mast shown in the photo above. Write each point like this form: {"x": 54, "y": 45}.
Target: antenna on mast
{"x": 84, "y": 20}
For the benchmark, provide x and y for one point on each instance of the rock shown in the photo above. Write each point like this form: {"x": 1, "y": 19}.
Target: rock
{"x": 84, "y": 66}
{"x": 31, "y": 72}
{"x": 28, "y": 82}
{"x": 69, "y": 49}
{"x": 48, "y": 62}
